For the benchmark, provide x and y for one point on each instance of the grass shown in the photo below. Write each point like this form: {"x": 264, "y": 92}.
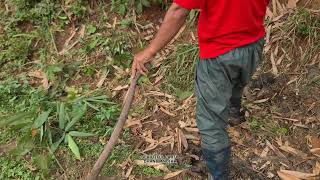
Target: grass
{"x": 180, "y": 69}
{"x": 13, "y": 168}
{"x": 29, "y": 43}
{"x": 268, "y": 128}
{"x": 148, "y": 171}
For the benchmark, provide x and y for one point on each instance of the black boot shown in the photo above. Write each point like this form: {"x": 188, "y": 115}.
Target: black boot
{"x": 237, "y": 116}
{"x": 218, "y": 163}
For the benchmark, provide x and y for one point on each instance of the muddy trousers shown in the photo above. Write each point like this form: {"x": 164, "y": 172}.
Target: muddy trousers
{"x": 219, "y": 83}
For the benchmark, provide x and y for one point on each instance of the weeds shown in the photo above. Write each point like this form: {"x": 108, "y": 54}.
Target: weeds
{"x": 304, "y": 25}
{"x": 181, "y": 73}
{"x": 12, "y": 168}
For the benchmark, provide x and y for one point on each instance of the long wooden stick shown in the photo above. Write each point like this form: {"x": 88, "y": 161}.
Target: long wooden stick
{"x": 93, "y": 175}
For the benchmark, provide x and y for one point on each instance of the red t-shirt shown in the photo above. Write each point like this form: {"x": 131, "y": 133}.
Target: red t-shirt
{"x": 227, "y": 24}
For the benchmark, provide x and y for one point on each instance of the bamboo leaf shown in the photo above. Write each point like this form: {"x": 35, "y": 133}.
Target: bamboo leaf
{"x": 55, "y": 145}
{"x": 42, "y": 118}
{"x": 62, "y": 116}
{"x": 80, "y": 134}
{"x": 77, "y": 116}
{"x": 73, "y": 146}
{"x": 15, "y": 118}
{"x": 92, "y": 106}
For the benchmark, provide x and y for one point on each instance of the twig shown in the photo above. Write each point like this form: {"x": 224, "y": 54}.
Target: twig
{"x": 289, "y": 119}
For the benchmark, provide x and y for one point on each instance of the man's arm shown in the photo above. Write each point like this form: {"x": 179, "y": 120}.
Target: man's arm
{"x": 173, "y": 21}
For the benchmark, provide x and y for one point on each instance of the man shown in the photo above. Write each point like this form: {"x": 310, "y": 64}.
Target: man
{"x": 231, "y": 41}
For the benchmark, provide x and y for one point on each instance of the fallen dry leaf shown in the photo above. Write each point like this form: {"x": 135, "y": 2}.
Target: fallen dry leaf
{"x": 133, "y": 123}
{"x": 274, "y": 7}
{"x": 299, "y": 175}
{"x": 161, "y": 167}
{"x": 260, "y": 101}
{"x": 315, "y": 142}
{"x": 101, "y": 80}
{"x": 265, "y": 151}
{"x": 119, "y": 88}
{"x": 285, "y": 176}
{"x": 191, "y": 129}
{"x": 139, "y": 162}
{"x": 164, "y": 139}
{"x": 316, "y": 169}
{"x": 183, "y": 140}
{"x": 293, "y": 151}
{"x": 274, "y": 149}
{"x": 179, "y": 141}
{"x": 69, "y": 47}
{"x": 173, "y": 174}
{"x": 315, "y": 151}
{"x": 128, "y": 173}
{"x": 158, "y": 79}
{"x": 41, "y": 75}
{"x": 292, "y": 4}
{"x": 269, "y": 13}
{"x": 34, "y": 132}
{"x": 160, "y": 94}
{"x": 182, "y": 124}
{"x": 167, "y": 112}
{"x": 273, "y": 63}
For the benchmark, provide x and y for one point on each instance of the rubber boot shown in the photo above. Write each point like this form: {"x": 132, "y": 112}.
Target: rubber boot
{"x": 236, "y": 115}
{"x": 218, "y": 163}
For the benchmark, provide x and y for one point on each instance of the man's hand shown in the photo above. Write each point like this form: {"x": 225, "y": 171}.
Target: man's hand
{"x": 173, "y": 21}
{"x": 139, "y": 62}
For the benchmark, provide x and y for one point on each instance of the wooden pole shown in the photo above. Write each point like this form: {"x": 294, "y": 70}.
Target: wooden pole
{"x": 93, "y": 175}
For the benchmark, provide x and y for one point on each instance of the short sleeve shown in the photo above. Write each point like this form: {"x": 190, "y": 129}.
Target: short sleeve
{"x": 188, "y": 4}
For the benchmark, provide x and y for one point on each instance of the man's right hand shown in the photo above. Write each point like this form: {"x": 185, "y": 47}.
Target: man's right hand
{"x": 139, "y": 62}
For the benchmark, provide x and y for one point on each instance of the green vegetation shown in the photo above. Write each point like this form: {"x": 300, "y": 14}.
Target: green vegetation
{"x": 48, "y": 103}
{"x": 41, "y": 106}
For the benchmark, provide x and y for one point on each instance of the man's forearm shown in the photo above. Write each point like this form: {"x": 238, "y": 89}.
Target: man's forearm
{"x": 173, "y": 21}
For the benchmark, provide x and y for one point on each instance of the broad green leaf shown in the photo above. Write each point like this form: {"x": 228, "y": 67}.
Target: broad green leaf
{"x": 122, "y": 9}
{"x": 92, "y": 106}
{"x": 182, "y": 95}
{"x": 62, "y": 116}
{"x": 55, "y": 145}
{"x": 101, "y": 101}
{"x": 93, "y": 44}
{"x": 139, "y": 8}
{"x": 80, "y": 134}
{"x": 78, "y": 113}
{"x": 42, "y": 118}
{"x": 91, "y": 29}
{"x": 146, "y": 3}
{"x": 73, "y": 146}
{"x": 25, "y": 145}
{"x": 143, "y": 80}
{"x": 98, "y": 98}
{"x": 15, "y": 118}
{"x": 63, "y": 17}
